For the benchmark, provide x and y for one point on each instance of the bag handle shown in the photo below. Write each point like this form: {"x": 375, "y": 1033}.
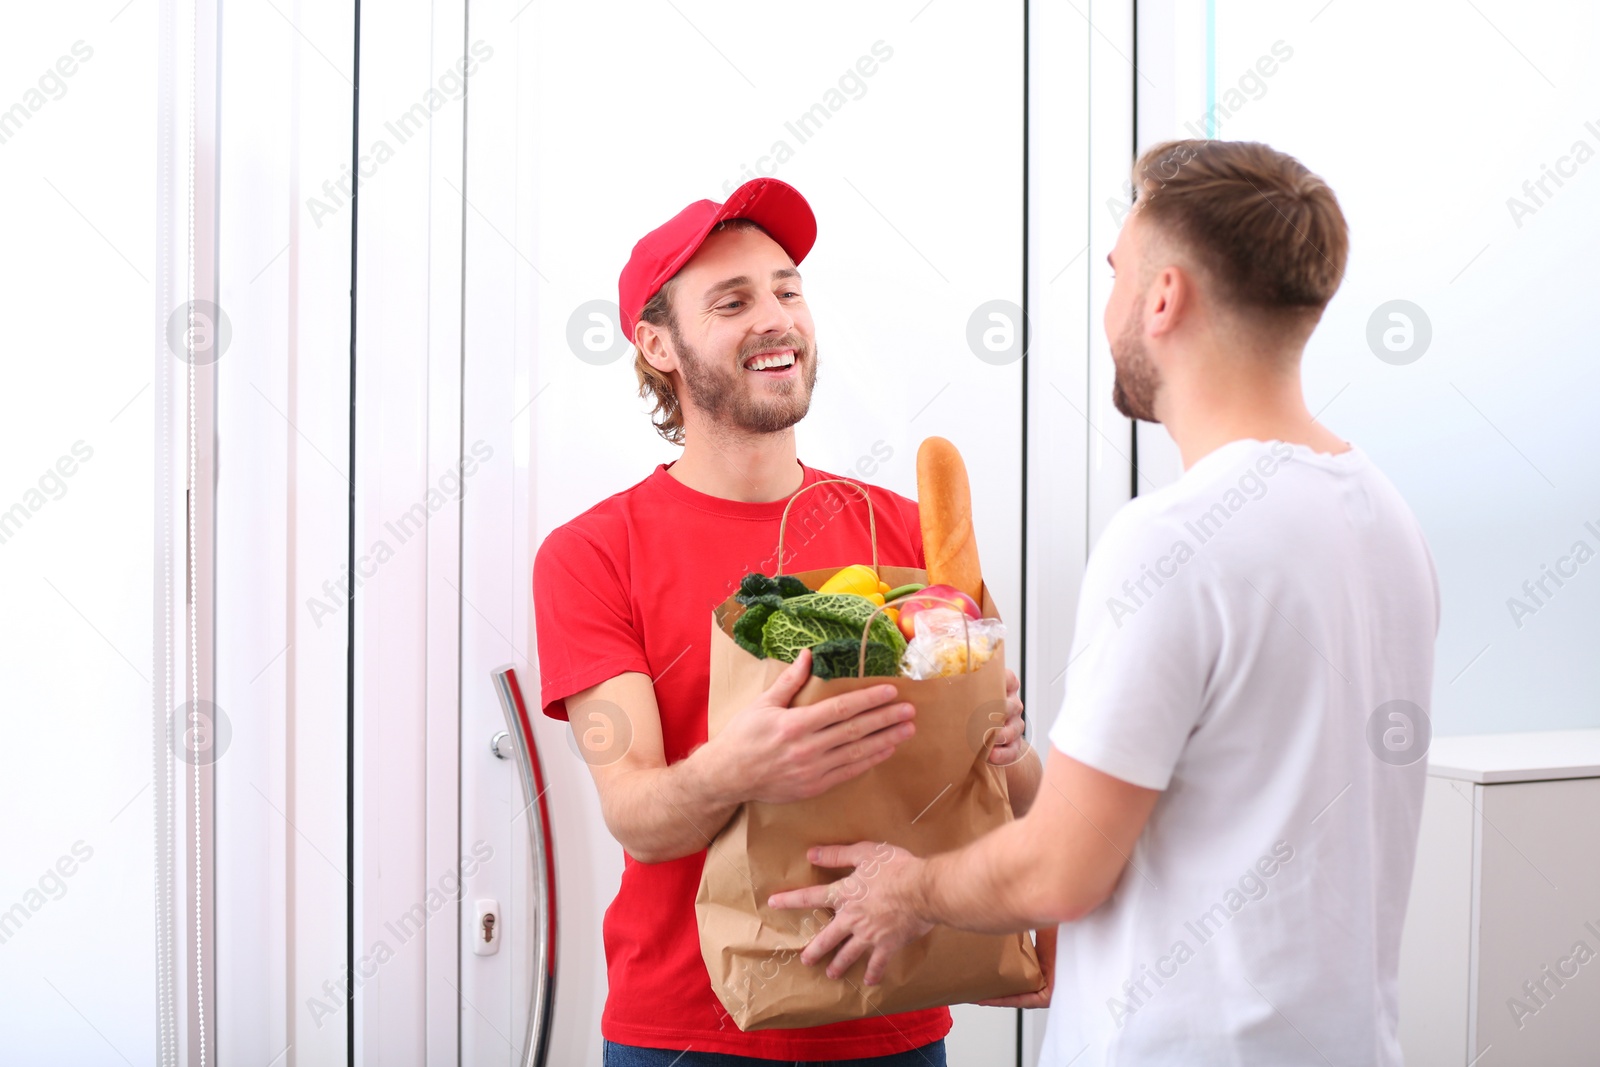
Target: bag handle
{"x": 872, "y": 532}
{"x": 872, "y": 519}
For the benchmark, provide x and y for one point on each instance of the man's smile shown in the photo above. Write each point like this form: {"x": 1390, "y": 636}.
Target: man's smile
{"x": 775, "y": 362}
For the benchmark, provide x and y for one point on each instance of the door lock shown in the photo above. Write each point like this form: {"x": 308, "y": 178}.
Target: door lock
{"x": 486, "y": 933}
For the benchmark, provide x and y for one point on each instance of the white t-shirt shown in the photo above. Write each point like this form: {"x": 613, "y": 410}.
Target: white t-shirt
{"x": 1241, "y": 635}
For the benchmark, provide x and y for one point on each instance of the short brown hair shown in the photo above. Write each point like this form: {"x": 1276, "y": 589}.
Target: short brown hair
{"x": 666, "y": 413}
{"x": 1266, "y": 229}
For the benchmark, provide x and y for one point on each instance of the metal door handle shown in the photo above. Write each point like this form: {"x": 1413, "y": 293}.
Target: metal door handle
{"x": 542, "y": 989}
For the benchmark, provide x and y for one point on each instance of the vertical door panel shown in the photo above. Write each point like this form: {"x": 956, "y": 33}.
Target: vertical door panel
{"x": 283, "y": 251}
{"x": 1062, "y": 262}
{"x": 500, "y": 290}
{"x": 411, "y": 474}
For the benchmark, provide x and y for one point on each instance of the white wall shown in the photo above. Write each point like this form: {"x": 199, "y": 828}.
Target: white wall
{"x": 1427, "y": 119}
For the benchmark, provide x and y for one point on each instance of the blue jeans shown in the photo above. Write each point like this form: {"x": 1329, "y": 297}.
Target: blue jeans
{"x": 929, "y": 1055}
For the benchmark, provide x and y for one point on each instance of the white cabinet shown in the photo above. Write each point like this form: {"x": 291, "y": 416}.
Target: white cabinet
{"x": 1500, "y": 960}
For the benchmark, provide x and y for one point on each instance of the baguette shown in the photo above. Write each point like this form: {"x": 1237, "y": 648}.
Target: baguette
{"x": 944, "y": 502}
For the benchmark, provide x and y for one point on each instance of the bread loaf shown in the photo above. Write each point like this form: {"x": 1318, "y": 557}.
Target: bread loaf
{"x": 944, "y": 500}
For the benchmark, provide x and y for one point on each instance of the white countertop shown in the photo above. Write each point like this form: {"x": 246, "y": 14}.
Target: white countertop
{"x": 1540, "y": 756}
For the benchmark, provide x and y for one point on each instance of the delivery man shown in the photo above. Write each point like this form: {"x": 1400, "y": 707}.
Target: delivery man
{"x": 623, "y": 596}
{"x": 1231, "y": 800}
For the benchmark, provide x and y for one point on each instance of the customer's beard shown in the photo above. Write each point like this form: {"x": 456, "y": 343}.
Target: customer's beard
{"x": 723, "y": 396}
{"x": 1133, "y": 389}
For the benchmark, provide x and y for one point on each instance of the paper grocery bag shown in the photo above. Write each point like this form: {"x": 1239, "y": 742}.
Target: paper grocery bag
{"x": 937, "y": 792}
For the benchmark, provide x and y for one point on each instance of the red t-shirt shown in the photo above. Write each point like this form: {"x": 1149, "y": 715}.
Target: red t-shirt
{"x": 629, "y": 585}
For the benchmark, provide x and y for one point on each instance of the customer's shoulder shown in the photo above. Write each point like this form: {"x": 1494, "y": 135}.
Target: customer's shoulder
{"x": 1239, "y": 470}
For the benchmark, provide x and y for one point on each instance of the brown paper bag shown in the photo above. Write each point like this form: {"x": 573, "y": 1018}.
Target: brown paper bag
{"x": 936, "y": 793}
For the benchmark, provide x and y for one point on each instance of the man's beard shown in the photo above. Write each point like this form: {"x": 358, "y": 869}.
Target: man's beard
{"x": 724, "y": 398}
{"x": 1133, "y": 390}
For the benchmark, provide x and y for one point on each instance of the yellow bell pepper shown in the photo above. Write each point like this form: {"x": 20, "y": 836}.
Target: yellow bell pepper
{"x": 856, "y": 578}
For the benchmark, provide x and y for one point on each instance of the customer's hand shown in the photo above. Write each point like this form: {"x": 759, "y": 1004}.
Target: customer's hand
{"x": 772, "y": 752}
{"x": 876, "y": 909}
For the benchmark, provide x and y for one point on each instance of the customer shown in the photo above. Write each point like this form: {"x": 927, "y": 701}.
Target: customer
{"x": 1229, "y": 813}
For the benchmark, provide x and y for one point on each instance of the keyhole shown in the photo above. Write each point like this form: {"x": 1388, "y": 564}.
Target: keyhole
{"x": 488, "y": 928}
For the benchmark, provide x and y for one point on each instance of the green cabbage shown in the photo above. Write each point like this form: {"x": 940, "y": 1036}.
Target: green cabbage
{"x": 785, "y": 633}
{"x": 761, "y": 596}
{"x": 839, "y": 659}
{"x": 847, "y": 608}
{"x": 778, "y": 621}
{"x": 755, "y": 586}
{"x": 747, "y": 627}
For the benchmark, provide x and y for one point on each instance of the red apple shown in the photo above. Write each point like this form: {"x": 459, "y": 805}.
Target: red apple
{"x": 935, "y": 596}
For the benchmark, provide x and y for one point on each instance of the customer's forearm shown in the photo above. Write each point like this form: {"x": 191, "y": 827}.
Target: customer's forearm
{"x": 998, "y": 884}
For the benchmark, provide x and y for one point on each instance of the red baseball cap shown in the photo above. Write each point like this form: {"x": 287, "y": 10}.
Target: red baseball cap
{"x": 775, "y": 206}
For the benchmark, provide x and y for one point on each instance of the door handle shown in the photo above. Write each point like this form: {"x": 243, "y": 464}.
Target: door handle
{"x": 541, "y": 850}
